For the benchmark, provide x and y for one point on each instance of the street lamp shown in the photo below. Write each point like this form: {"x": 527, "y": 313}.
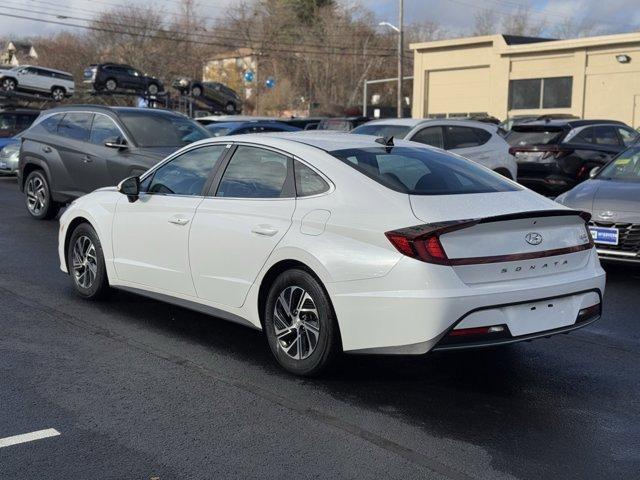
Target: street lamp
{"x": 400, "y": 52}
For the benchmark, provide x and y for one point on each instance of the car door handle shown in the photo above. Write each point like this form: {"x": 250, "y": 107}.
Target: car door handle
{"x": 87, "y": 159}
{"x": 46, "y": 149}
{"x": 179, "y": 220}
{"x": 264, "y": 230}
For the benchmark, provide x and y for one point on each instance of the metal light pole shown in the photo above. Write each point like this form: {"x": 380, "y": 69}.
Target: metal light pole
{"x": 400, "y": 56}
{"x": 400, "y": 32}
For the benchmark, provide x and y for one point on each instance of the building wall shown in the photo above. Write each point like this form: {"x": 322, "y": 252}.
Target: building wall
{"x": 472, "y": 76}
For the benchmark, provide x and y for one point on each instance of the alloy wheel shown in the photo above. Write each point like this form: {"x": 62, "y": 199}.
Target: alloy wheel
{"x": 36, "y": 195}
{"x": 85, "y": 262}
{"x": 111, "y": 85}
{"x": 9, "y": 85}
{"x": 57, "y": 94}
{"x": 296, "y": 323}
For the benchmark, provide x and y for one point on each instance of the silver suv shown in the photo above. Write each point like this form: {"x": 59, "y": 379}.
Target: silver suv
{"x": 30, "y": 79}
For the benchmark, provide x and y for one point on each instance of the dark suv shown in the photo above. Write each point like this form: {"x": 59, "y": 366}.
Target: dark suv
{"x": 71, "y": 151}
{"x": 116, "y": 76}
{"x": 216, "y": 94}
{"x": 555, "y": 155}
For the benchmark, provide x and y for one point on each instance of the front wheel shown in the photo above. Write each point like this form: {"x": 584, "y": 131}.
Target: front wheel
{"x": 300, "y": 324}
{"x": 111, "y": 85}
{"x": 153, "y": 89}
{"x": 85, "y": 263}
{"x": 40, "y": 205}
{"x": 196, "y": 91}
{"x": 230, "y": 108}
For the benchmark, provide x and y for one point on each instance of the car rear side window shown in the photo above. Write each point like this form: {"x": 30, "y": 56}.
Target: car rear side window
{"x": 187, "y": 173}
{"x": 461, "y": 137}
{"x": 429, "y": 136}
{"x": 256, "y": 173}
{"x": 382, "y": 130}
{"x": 308, "y": 182}
{"x": 76, "y": 126}
{"x": 420, "y": 171}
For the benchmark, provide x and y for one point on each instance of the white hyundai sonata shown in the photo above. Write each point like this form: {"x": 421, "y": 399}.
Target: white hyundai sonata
{"x": 338, "y": 242}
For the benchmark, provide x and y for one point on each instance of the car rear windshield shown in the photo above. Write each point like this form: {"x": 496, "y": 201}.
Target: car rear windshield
{"x": 524, "y": 136}
{"x": 398, "y": 131}
{"x": 159, "y": 130}
{"x": 421, "y": 171}
{"x": 626, "y": 167}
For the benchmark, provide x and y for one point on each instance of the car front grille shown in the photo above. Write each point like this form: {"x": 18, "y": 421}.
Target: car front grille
{"x": 628, "y": 236}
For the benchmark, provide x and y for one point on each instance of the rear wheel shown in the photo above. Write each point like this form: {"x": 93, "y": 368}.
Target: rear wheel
{"x": 196, "y": 91}
{"x": 85, "y": 262}
{"x": 153, "y": 89}
{"x": 300, "y": 325}
{"x": 9, "y": 84}
{"x": 57, "y": 93}
{"x": 504, "y": 173}
{"x": 230, "y": 107}
{"x": 111, "y": 84}
{"x": 40, "y": 205}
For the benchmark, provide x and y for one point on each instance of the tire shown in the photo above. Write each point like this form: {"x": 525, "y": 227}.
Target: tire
{"x": 38, "y": 199}
{"x": 504, "y": 173}
{"x": 111, "y": 84}
{"x": 58, "y": 94}
{"x": 85, "y": 262}
{"x": 153, "y": 89}
{"x": 9, "y": 84}
{"x": 303, "y": 343}
{"x": 196, "y": 91}
{"x": 230, "y": 108}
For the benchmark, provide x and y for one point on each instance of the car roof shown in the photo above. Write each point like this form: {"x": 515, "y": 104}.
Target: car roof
{"x": 43, "y": 68}
{"x": 414, "y": 122}
{"x": 329, "y": 140}
{"x": 20, "y": 110}
{"x": 567, "y": 122}
{"x": 112, "y": 110}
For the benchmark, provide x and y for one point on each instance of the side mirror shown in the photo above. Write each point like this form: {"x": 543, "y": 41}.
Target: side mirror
{"x": 116, "y": 142}
{"x": 593, "y": 172}
{"x": 130, "y": 187}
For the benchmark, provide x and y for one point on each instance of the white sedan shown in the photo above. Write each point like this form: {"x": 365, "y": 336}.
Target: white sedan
{"x": 477, "y": 141}
{"x": 335, "y": 243}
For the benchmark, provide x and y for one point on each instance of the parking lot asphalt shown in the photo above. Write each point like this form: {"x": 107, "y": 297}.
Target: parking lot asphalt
{"x": 139, "y": 389}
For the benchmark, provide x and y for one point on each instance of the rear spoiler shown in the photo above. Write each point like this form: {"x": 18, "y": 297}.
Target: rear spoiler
{"x": 422, "y": 242}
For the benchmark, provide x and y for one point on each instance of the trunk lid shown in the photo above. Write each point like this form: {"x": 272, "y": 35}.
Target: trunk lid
{"x": 512, "y": 235}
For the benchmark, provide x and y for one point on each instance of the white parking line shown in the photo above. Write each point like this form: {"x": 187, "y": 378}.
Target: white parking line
{"x": 28, "y": 437}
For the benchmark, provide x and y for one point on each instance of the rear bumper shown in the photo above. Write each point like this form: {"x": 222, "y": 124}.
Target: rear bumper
{"x": 411, "y": 309}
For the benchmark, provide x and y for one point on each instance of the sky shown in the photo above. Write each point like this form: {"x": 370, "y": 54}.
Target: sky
{"x": 456, "y": 17}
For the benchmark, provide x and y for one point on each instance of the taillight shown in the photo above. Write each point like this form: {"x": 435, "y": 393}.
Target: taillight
{"x": 423, "y": 241}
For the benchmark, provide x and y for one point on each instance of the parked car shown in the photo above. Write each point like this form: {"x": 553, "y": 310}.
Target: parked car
{"x": 9, "y": 154}
{"x": 222, "y": 97}
{"x": 116, "y": 76}
{"x": 612, "y": 196}
{"x": 372, "y": 247}
{"x": 341, "y": 124}
{"x": 71, "y": 151}
{"x": 555, "y": 155}
{"x": 477, "y": 141}
{"x": 14, "y": 121}
{"x": 220, "y": 129}
{"x": 29, "y": 79}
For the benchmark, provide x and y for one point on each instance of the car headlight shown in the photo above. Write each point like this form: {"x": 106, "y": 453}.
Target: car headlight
{"x": 10, "y": 152}
{"x": 184, "y": 82}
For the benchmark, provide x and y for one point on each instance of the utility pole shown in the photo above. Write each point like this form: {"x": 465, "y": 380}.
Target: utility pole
{"x": 400, "y": 56}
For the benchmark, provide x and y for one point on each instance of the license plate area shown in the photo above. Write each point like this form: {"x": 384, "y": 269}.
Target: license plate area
{"x": 605, "y": 236}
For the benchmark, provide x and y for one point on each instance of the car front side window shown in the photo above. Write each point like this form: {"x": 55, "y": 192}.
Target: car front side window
{"x": 103, "y": 129}
{"x": 185, "y": 174}
{"x": 256, "y": 173}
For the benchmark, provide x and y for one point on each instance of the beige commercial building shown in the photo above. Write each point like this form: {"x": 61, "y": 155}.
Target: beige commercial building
{"x": 502, "y": 75}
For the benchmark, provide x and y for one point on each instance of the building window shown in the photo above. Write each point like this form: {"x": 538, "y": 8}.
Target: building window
{"x": 536, "y": 93}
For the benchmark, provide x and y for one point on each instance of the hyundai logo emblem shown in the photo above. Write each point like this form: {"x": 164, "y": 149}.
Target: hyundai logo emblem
{"x": 533, "y": 238}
